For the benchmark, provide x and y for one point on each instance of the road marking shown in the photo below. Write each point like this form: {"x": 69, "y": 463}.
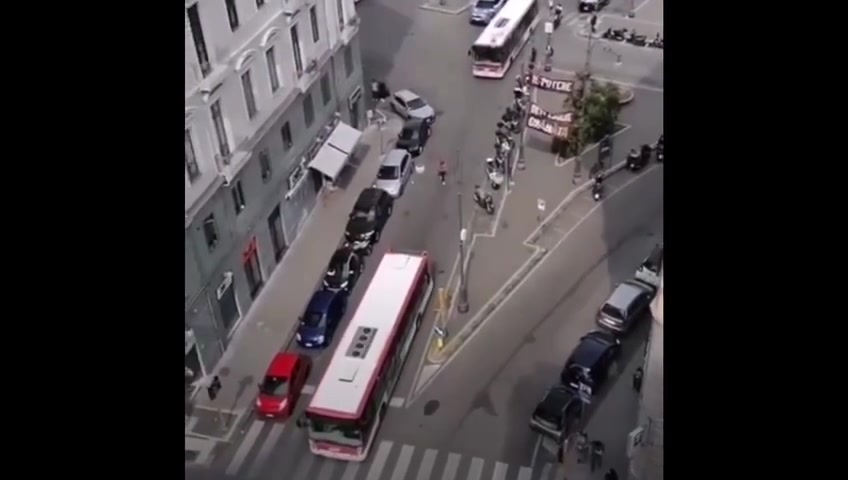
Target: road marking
{"x": 397, "y": 402}
{"x": 638, "y": 7}
{"x": 351, "y": 470}
{"x": 619, "y": 82}
{"x": 427, "y": 463}
{"x": 526, "y": 473}
{"x": 546, "y": 472}
{"x": 500, "y": 471}
{"x": 246, "y": 444}
{"x": 476, "y": 469}
{"x": 536, "y": 450}
{"x": 536, "y": 249}
{"x": 403, "y": 461}
{"x": 308, "y": 390}
{"x": 451, "y": 466}
{"x": 327, "y": 469}
{"x": 380, "y": 460}
{"x": 303, "y": 467}
{"x": 266, "y": 449}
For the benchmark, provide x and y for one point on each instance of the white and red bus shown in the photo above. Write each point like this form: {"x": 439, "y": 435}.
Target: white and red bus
{"x": 502, "y": 40}
{"x": 354, "y": 394}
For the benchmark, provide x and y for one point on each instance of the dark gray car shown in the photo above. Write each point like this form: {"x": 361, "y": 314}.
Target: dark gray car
{"x": 628, "y": 303}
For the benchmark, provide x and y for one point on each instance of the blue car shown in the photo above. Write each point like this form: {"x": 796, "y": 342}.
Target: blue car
{"x": 321, "y": 318}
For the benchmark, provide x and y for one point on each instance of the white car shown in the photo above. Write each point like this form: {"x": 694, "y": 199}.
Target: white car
{"x": 409, "y": 105}
{"x": 395, "y": 171}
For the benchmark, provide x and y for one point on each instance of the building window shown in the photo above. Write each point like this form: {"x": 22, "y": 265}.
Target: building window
{"x": 210, "y": 232}
{"x": 340, "y": 11}
{"x": 271, "y": 60}
{"x": 260, "y": 4}
{"x": 249, "y": 99}
{"x": 238, "y": 197}
{"x": 265, "y": 165}
{"x": 220, "y": 129}
{"x": 298, "y": 59}
{"x": 308, "y": 110}
{"x": 313, "y": 19}
{"x": 326, "y": 94}
{"x": 348, "y": 60}
{"x": 252, "y": 269}
{"x": 228, "y": 306}
{"x": 278, "y": 239}
{"x": 232, "y": 14}
{"x": 287, "y": 136}
{"x": 199, "y": 40}
{"x": 190, "y": 159}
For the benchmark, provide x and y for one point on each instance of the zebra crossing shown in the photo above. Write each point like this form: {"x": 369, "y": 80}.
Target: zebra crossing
{"x": 280, "y": 450}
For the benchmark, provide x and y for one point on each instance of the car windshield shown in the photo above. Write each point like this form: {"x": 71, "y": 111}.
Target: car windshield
{"x": 275, "y": 386}
{"x": 407, "y": 133}
{"x": 387, "y": 173}
{"x": 340, "y": 433}
{"x": 415, "y": 103}
{"x": 611, "y": 311}
{"x": 313, "y": 319}
{"x": 486, "y": 4}
{"x": 489, "y": 54}
{"x": 366, "y": 215}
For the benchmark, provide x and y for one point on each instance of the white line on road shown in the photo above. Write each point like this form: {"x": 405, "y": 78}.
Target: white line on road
{"x": 380, "y": 460}
{"x": 266, "y": 449}
{"x": 246, "y": 444}
{"x": 308, "y": 390}
{"x": 452, "y": 466}
{"x": 476, "y": 469}
{"x": 351, "y": 470}
{"x": 303, "y": 467}
{"x": 536, "y": 451}
{"x": 326, "y": 471}
{"x": 427, "y": 463}
{"x": 529, "y": 274}
{"x": 403, "y": 462}
{"x": 500, "y": 471}
{"x": 526, "y": 473}
{"x": 546, "y": 471}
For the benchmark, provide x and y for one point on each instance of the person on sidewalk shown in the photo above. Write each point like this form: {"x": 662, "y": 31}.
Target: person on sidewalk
{"x": 443, "y": 170}
{"x": 597, "y": 455}
{"x": 611, "y": 475}
{"x": 582, "y": 446}
{"x": 637, "y": 379}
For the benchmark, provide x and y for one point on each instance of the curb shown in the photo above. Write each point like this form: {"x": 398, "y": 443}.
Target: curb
{"x": 442, "y": 10}
{"x": 435, "y": 357}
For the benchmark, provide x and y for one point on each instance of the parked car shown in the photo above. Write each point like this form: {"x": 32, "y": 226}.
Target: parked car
{"x": 368, "y": 218}
{"x": 344, "y": 270}
{"x": 590, "y": 6}
{"x": 649, "y": 271}
{"x": 281, "y": 387}
{"x": 409, "y": 105}
{"x": 626, "y": 305}
{"x": 484, "y": 11}
{"x": 322, "y": 316}
{"x": 591, "y": 362}
{"x": 395, "y": 171}
{"x": 414, "y": 135}
{"x": 556, "y": 415}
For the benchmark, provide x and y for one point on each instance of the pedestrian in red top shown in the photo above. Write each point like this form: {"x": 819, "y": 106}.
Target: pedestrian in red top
{"x": 443, "y": 170}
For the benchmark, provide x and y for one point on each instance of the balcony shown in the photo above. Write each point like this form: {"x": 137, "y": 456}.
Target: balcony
{"x": 350, "y": 30}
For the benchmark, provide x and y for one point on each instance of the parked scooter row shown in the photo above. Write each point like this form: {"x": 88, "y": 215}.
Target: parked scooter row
{"x": 637, "y": 159}
{"x": 633, "y": 38}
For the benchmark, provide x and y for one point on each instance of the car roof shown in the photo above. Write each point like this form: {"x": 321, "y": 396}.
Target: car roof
{"x": 282, "y": 365}
{"x": 590, "y": 348}
{"x": 368, "y": 198}
{"x": 413, "y": 123}
{"x": 654, "y": 260}
{"x": 320, "y": 301}
{"x": 554, "y": 400}
{"x": 406, "y": 95}
{"x": 394, "y": 158}
{"x": 624, "y": 294}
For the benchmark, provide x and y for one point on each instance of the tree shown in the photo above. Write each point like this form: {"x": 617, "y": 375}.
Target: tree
{"x": 597, "y": 113}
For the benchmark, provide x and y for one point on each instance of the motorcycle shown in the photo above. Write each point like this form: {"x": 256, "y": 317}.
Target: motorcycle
{"x": 495, "y": 174}
{"x": 617, "y": 35}
{"x": 635, "y": 161}
{"x": 484, "y": 200}
{"x": 637, "y": 40}
{"x": 557, "y": 18}
{"x": 660, "y": 153}
{"x": 597, "y": 189}
{"x": 656, "y": 42}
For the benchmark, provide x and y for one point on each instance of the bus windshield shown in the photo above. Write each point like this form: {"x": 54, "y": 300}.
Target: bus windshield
{"x": 335, "y": 431}
{"x": 489, "y": 54}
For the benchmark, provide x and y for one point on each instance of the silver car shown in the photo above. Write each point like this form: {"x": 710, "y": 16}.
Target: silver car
{"x": 409, "y": 105}
{"x": 395, "y": 171}
{"x": 484, "y": 11}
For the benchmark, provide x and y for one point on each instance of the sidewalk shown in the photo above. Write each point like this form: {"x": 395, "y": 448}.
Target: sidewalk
{"x": 611, "y": 422}
{"x": 271, "y": 322}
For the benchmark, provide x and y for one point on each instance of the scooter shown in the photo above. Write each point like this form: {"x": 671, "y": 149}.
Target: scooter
{"x": 656, "y": 42}
{"x": 637, "y": 40}
{"x": 660, "y": 154}
{"x": 496, "y": 177}
{"x": 598, "y": 189}
{"x": 617, "y": 35}
{"x": 484, "y": 200}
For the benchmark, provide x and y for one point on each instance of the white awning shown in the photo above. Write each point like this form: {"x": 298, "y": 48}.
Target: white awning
{"x": 329, "y": 160}
{"x": 344, "y": 137}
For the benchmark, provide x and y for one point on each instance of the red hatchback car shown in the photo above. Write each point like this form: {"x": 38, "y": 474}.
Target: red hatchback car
{"x": 282, "y": 385}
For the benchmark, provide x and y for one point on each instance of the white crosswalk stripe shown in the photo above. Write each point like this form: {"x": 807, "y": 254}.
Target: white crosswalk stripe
{"x": 271, "y": 450}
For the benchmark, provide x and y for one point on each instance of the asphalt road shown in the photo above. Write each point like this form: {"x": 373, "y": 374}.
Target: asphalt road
{"x": 425, "y": 52}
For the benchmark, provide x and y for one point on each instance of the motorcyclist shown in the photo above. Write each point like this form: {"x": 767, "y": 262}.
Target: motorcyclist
{"x": 633, "y": 157}
{"x": 558, "y": 12}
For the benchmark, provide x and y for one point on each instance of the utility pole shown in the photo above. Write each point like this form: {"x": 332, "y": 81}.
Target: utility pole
{"x": 462, "y": 300}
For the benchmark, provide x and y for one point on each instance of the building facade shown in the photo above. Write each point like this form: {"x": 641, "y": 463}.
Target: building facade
{"x": 647, "y": 460}
{"x": 266, "y": 82}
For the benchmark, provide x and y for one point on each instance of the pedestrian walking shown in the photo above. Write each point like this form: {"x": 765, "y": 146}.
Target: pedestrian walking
{"x": 637, "y": 379}
{"x": 582, "y": 447}
{"x": 611, "y": 475}
{"x": 597, "y": 455}
{"x": 443, "y": 171}
{"x": 532, "y": 55}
